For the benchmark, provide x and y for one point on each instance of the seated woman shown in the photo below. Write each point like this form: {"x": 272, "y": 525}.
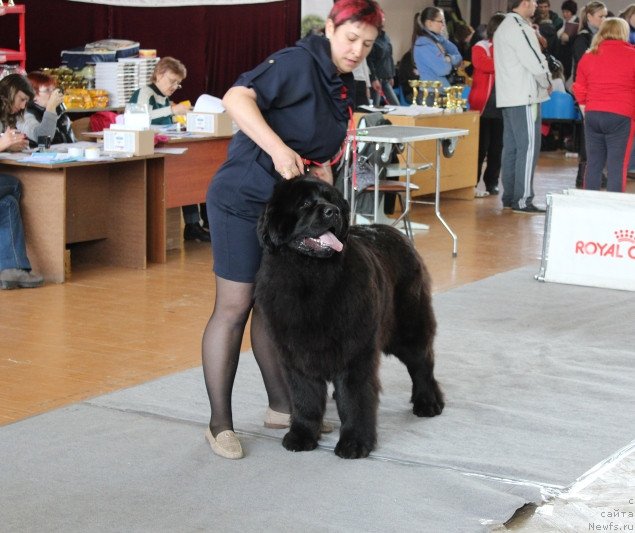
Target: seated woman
{"x": 166, "y": 79}
{"x": 15, "y": 269}
{"x": 45, "y": 115}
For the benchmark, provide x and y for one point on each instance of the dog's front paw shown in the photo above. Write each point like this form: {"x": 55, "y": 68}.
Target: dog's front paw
{"x": 428, "y": 403}
{"x": 296, "y": 442}
{"x": 351, "y": 448}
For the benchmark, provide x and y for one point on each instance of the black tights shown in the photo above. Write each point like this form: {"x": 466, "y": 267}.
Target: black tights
{"x": 221, "y": 349}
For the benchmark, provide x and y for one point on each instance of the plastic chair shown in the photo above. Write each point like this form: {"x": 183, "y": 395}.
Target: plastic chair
{"x": 560, "y": 107}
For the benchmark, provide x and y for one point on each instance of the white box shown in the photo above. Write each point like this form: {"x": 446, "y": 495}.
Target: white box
{"x": 134, "y": 142}
{"x": 216, "y": 124}
{"x": 589, "y": 239}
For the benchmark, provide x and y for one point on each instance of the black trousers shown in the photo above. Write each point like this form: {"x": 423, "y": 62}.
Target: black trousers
{"x": 490, "y": 145}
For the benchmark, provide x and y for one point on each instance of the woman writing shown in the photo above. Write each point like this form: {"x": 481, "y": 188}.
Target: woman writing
{"x": 15, "y": 268}
{"x": 604, "y": 90}
{"x": 435, "y": 56}
{"x": 292, "y": 109}
{"x": 45, "y": 116}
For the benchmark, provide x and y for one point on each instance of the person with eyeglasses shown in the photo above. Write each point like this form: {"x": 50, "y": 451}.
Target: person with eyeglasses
{"x": 45, "y": 114}
{"x": 166, "y": 80}
{"x": 434, "y": 54}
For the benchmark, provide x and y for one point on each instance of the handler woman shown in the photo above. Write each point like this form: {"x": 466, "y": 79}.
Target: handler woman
{"x": 292, "y": 111}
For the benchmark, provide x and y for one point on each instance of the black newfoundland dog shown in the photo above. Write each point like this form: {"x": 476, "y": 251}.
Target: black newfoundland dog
{"x": 334, "y": 298}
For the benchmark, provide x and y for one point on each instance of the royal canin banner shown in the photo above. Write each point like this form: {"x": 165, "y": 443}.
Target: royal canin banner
{"x": 590, "y": 239}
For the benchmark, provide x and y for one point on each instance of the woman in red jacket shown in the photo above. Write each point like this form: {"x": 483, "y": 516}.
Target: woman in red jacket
{"x": 482, "y": 98}
{"x": 603, "y": 87}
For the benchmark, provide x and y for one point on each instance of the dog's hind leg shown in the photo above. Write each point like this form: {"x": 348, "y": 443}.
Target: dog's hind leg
{"x": 357, "y": 397}
{"x": 412, "y": 344}
{"x": 308, "y": 398}
{"x": 427, "y": 398}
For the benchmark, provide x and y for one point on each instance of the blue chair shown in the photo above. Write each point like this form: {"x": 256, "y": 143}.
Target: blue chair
{"x": 399, "y": 94}
{"x": 560, "y": 108}
{"x": 466, "y": 93}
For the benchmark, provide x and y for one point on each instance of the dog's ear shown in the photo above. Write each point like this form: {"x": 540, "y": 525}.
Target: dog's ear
{"x": 265, "y": 233}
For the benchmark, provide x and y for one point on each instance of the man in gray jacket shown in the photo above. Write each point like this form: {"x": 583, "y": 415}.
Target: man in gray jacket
{"x": 522, "y": 83}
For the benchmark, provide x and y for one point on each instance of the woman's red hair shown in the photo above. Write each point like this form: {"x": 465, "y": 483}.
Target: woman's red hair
{"x": 367, "y": 11}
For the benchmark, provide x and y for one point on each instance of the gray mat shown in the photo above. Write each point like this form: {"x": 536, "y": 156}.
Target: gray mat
{"x": 86, "y": 468}
{"x": 538, "y": 378}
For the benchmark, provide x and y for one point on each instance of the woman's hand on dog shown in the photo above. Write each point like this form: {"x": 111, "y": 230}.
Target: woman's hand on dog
{"x": 287, "y": 162}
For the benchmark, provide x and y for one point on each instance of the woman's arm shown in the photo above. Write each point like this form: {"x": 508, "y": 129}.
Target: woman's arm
{"x": 32, "y": 128}
{"x": 452, "y": 51}
{"x": 427, "y": 54}
{"x": 241, "y": 103}
{"x": 13, "y": 141}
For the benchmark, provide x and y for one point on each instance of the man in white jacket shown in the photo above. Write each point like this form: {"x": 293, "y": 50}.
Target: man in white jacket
{"x": 522, "y": 83}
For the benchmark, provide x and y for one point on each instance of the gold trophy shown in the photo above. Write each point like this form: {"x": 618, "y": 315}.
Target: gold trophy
{"x": 425, "y": 85}
{"x": 453, "y": 97}
{"x": 436, "y": 85}
{"x": 413, "y": 83}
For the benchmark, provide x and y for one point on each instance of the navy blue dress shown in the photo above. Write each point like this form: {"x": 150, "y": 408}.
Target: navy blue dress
{"x": 305, "y": 101}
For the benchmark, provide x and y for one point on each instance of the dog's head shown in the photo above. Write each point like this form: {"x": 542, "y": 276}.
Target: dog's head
{"x": 307, "y": 215}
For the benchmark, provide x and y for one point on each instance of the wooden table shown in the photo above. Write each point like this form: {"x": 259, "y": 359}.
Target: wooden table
{"x": 187, "y": 178}
{"x": 97, "y": 208}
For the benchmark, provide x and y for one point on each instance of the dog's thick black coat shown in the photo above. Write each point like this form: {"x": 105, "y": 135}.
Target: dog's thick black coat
{"x": 332, "y": 308}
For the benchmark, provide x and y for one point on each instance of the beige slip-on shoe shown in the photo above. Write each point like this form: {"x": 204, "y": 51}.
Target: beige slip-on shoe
{"x": 226, "y": 444}
{"x": 276, "y": 420}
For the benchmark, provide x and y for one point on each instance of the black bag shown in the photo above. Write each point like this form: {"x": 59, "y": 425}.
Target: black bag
{"x": 455, "y": 78}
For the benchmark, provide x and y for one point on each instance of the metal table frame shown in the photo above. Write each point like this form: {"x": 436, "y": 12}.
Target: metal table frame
{"x": 406, "y": 135}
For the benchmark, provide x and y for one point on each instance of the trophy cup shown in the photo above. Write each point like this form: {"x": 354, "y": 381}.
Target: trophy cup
{"x": 436, "y": 85}
{"x": 425, "y": 85}
{"x": 452, "y": 98}
{"x": 413, "y": 83}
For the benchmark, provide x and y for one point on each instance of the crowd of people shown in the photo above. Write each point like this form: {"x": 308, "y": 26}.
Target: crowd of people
{"x": 544, "y": 60}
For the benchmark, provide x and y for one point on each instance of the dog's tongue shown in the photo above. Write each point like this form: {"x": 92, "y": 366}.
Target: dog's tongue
{"x": 330, "y": 240}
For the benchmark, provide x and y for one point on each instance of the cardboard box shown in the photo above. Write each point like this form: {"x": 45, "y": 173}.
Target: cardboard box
{"x": 136, "y": 142}
{"x": 216, "y": 124}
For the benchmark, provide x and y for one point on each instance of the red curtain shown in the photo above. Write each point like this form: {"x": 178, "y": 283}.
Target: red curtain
{"x": 216, "y": 43}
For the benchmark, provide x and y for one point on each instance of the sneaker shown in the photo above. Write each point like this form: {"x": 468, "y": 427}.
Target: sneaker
{"x": 12, "y": 278}
{"x": 195, "y": 232}
{"x": 531, "y": 209}
{"x": 493, "y": 191}
{"x": 478, "y": 193}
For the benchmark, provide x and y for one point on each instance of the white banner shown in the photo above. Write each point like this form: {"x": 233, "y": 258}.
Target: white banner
{"x": 590, "y": 239}
{"x": 172, "y": 3}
